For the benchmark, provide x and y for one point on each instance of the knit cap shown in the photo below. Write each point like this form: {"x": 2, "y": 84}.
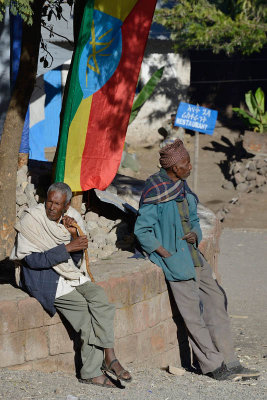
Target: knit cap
{"x": 172, "y": 153}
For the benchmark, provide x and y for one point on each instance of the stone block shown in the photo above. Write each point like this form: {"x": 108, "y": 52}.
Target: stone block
{"x": 244, "y": 172}
{"x": 263, "y": 171}
{"x": 140, "y": 316}
{"x": 66, "y": 363}
{"x": 21, "y": 367}
{"x": 138, "y": 287}
{"x": 252, "y": 184}
{"x": 152, "y": 283}
{"x": 36, "y": 345}
{"x": 12, "y": 349}
{"x": 100, "y": 239}
{"x": 59, "y": 340}
{"x": 260, "y": 163}
{"x": 251, "y": 175}
{"x": 242, "y": 187}
{"x": 171, "y": 357}
{"x": 123, "y": 322}
{"x": 126, "y": 349}
{"x": 91, "y": 216}
{"x": 161, "y": 280}
{"x": 251, "y": 166}
{"x": 47, "y": 365}
{"x": 158, "y": 338}
{"x": 236, "y": 167}
{"x": 228, "y": 185}
{"x": 171, "y": 333}
{"x": 260, "y": 180}
{"x": 31, "y": 314}
{"x": 239, "y": 178}
{"x": 118, "y": 290}
{"x": 154, "y": 311}
{"x": 144, "y": 347}
{"x": 8, "y": 317}
{"x": 51, "y": 320}
{"x": 165, "y": 306}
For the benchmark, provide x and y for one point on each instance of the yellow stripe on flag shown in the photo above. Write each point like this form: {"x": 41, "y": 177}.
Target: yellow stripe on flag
{"x": 116, "y": 8}
{"x": 76, "y": 143}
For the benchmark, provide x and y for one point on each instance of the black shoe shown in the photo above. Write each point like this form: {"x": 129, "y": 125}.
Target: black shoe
{"x": 220, "y": 374}
{"x": 243, "y": 372}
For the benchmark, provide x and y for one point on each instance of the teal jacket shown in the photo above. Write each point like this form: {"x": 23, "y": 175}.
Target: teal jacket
{"x": 160, "y": 225}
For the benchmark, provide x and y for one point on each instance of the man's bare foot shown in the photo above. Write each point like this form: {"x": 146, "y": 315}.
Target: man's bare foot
{"x": 112, "y": 365}
{"x": 101, "y": 380}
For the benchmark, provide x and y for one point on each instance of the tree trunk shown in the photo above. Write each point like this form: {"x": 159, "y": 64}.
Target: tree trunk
{"x": 12, "y": 131}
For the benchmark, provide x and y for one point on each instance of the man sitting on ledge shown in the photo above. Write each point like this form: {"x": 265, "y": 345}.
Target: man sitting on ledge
{"x": 168, "y": 230}
{"x": 51, "y": 250}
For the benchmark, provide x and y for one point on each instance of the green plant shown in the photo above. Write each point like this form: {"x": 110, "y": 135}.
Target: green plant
{"x": 228, "y": 26}
{"x": 145, "y": 93}
{"x": 256, "y": 118}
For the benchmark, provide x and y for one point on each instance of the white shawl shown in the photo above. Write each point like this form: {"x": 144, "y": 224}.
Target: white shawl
{"x": 36, "y": 233}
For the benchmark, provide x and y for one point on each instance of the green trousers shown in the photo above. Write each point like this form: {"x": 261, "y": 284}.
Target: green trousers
{"x": 89, "y": 312}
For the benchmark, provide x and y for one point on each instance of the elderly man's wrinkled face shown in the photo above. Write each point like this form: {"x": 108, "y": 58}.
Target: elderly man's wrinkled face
{"x": 55, "y": 205}
{"x": 182, "y": 168}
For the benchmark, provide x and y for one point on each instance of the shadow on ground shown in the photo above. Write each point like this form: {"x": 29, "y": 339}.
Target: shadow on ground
{"x": 233, "y": 151}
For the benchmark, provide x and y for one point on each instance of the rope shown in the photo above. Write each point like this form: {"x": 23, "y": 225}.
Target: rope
{"x": 75, "y": 225}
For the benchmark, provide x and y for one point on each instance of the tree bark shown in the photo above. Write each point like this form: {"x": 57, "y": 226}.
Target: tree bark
{"x": 12, "y": 131}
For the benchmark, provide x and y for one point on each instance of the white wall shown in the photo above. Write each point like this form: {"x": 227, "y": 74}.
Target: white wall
{"x": 169, "y": 92}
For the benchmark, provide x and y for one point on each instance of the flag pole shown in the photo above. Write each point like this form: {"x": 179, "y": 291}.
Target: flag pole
{"x": 196, "y": 152}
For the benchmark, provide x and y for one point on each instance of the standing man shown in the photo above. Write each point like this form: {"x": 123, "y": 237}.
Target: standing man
{"x": 50, "y": 251}
{"x": 168, "y": 230}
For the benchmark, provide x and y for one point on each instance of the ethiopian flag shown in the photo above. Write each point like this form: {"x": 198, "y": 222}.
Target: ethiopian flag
{"x": 105, "y": 71}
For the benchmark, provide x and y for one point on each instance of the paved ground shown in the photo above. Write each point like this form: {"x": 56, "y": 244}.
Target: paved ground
{"x": 243, "y": 267}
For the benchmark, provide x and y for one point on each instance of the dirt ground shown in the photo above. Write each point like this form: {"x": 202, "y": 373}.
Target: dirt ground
{"x": 248, "y": 212}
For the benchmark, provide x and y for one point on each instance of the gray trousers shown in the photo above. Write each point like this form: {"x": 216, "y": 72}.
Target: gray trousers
{"x": 89, "y": 312}
{"x": 202, "y": 306}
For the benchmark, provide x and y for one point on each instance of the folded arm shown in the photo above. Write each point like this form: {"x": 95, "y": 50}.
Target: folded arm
{"x": 51, "y": 257}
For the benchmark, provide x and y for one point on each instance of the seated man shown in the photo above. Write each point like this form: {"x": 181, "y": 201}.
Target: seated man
{"x": 170, "y": 132}
{"x": 168, "y": 229}
{"x": 51, "y": 250}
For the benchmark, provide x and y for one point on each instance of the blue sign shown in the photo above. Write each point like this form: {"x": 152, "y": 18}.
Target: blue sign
{"x": 196, "y": 118}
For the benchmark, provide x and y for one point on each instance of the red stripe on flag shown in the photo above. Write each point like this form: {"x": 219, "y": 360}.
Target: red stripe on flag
{"x": 111, "y": 105}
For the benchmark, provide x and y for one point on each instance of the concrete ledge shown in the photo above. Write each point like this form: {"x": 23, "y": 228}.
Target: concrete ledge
{"x": 145, "y": 331}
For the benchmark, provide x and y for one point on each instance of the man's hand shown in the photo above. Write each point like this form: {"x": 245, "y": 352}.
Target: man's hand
{"x": 80, "y": 243}
{"x": 67, "y": 222}
{"x": 163, "y": 252}
{"x": 191, "y": 237}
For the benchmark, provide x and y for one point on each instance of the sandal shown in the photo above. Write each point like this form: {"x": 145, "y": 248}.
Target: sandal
{"x": 90, "y": 381}
{"x": 109, "y": 369}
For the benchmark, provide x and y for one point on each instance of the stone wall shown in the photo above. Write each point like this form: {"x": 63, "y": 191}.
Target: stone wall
{"x": 145, "y": 331}
{"x": 249, "y": 175}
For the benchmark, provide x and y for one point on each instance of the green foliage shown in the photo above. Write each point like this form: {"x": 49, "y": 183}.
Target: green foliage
{"x": 230, "y": 26}
{"x": 145, "y": 93}
{"x": 21, "y": 7}
{"x": 256, "y": 118}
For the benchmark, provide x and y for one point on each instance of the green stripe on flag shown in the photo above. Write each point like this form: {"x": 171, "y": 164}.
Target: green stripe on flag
{"x": 75, "y": 94}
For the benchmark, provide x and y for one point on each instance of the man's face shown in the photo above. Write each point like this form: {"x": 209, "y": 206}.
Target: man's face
{"x": 55, "y": 205}
{"x": 182, "y": 168}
